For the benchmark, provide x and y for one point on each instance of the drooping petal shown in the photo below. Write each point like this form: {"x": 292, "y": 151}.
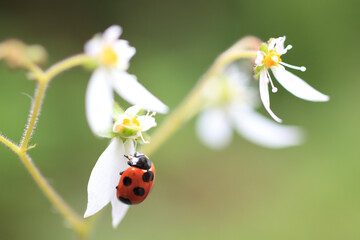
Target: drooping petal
{"x": 297, "y": 86}
{"x": 111, "y": 34}
{"x": 260, "y": 130}
{"x": 131, "y": 90}
{"x": 99, "y": 103}
{"x": 124, "y": 52}
{"x": 105, "y": 176}
{"x": 264, "y": 94}
{"x": 118, "y": 211}
{"x": 146, "y": 122}
{"x": 213, "y": 128}
{"x": 129, "y": 147}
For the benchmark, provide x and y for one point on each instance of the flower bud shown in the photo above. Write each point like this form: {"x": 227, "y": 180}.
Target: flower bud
{"x": 16, "y": 53}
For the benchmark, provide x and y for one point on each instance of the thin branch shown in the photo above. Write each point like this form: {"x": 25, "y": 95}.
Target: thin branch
{"x": 193, "y": 102}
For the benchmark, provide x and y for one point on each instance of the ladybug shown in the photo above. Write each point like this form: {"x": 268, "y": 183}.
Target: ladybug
{"x": 136, "y": 181}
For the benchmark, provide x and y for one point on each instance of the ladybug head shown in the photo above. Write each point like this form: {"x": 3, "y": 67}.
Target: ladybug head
{"x": 139, "y": 160}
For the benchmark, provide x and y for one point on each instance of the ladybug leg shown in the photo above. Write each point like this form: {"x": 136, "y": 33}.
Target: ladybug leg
{"x": 116, "y": 187}
{"x": 122, "y": 172}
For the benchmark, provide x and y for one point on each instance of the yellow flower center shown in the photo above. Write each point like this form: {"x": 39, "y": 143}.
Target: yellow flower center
{"x": 108, "y": 56}
{"x": 272, "y": 58}
{"x": 131, "y": 122}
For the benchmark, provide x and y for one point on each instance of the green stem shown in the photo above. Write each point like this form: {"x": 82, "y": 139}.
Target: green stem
{"x": 66, "y": 64}
{"x": 75, "y": 220}
{"x": 193, "y": 102}
{"x": 34, "y": 69}
{"x": 66, "y": 211}
{"x": 13, "y": 147}
{"x": 43, "y": 78}
{"x": 34, "y": 113}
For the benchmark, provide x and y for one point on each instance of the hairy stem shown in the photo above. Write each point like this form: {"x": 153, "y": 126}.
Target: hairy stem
{"x": 34, "y": 113}
{"x": 67, "y": 212}
{"x": 43, "y": 78}
{"x": 13, "y": 147}
{"x": 193, "y": 102}
{"x": 75, "y": 220}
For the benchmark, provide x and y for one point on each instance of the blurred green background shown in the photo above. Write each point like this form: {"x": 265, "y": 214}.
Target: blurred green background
{"x": 244, "y": 192}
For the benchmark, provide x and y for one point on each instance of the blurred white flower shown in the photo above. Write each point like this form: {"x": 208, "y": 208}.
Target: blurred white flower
{"x": 268, "y": 57}
{"x": 231, "y": 104}
{"x": 105, "y": 175}
{"x": 113, "y": 56}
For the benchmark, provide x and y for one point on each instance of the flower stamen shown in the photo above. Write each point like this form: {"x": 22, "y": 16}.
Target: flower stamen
{"x": 272, "y": 58}
{"x": 142, "y": 138}
{"x": 301, "y": 68}
{"x": 273, "y": 88}
{"x": 288, "y": 47}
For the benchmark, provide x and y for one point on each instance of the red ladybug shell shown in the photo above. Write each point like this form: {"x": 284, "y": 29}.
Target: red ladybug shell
{"x": 135, "y": 184}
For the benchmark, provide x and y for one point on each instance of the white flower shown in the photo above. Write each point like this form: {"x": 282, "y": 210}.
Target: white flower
{"x": 131, "y": 125}
{"x": 113, "y": 56}
{"x": 268, "y": 57}
{"x": 231, "y": 104}
{"x": 105, "y": 175}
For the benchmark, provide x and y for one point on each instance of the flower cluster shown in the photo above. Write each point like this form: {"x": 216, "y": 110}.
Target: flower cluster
{"x": 229, "y": 101}
{"x": 112, "y": 56}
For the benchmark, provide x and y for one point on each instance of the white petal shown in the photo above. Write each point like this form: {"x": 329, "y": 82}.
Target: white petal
{"x": 133, "y": 110}
{"x": 94, "y": 46}
{"x": 263, "y": 131}
{"x": 264, "y": 94}
{"x": 278, "y": 44}
{"x": 260, "y": 58}
{"x": 112, "y": 33}
{"x": 105, "y": 176}
{"x": 146, "y": 122}
{"x": 118, "y": 211}
{"x": 129, "y": 147}
{"x": 99, "y": 103}
{"x": 131, "y": 90}
{"x": 124, "y": 52}
{"x": 213, "y": 128}
{"x": 297, "y": 86}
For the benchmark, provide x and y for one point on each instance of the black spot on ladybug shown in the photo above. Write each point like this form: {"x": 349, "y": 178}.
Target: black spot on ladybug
{"x": 139, "y": 191}
{"x": 125, "y": 200}
{"x": 127, "y": 181}
{"x": 148, "y": 176}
